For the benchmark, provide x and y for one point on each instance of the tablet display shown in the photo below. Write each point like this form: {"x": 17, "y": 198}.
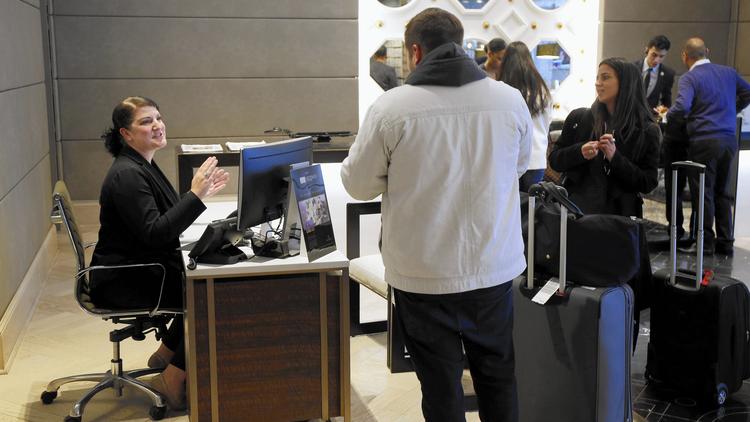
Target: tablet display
{"x": 315, "y": 217}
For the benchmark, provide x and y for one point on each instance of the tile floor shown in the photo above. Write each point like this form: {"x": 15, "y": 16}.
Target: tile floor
{"x": 61, "y": 340}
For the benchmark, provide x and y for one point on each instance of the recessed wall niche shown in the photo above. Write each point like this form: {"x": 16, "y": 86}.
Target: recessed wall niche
{"x": 473, "y": 4}
{"x": 552, "y": 61}
{"x": 394, "y": 3}
{"x": 549, "y": 4}
{"x": 395, "y": 57}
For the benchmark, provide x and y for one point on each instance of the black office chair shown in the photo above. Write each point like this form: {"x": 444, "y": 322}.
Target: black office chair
{"x": 139, "y": 323}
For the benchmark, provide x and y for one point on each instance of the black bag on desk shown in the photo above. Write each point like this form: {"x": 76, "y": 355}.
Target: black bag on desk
{"x": 603, "y": 249}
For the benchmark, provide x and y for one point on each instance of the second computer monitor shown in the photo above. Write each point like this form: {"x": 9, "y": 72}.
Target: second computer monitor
{"x": 264, "y": 179}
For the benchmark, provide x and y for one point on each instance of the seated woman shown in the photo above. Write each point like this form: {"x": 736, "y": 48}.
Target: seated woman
{"x": 141, "y": 220}
{"x": 518, "y": 70}
{"x": 610, "y": 152}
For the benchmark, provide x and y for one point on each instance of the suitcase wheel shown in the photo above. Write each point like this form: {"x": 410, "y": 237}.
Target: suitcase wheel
{"x": 721, "y": 394}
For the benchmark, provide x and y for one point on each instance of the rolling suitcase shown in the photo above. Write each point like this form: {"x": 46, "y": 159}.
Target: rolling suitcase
{"x": 572, "y": 353}
{"x": 699, "y": 340}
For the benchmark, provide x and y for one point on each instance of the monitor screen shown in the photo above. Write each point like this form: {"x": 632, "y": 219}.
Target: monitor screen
{"x": 264, "y": 179}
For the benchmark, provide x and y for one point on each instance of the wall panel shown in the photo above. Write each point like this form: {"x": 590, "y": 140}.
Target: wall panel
{"x": 196, "y": 108}
{"x": 21, "y": 56}
{"x": 24, "y": 137}
{"x": 204, "y": 48}
{"x": 321, "y": 9}
{"x": 24, "y": 222}
{"x": 667, "y": 10}
{"x": 742, "y": 59}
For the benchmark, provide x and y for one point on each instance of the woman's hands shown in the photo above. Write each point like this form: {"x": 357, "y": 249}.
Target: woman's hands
{"x": 590, "y": 149}
{"x": 209, "y": 179}
{"x": 607, "y": 145}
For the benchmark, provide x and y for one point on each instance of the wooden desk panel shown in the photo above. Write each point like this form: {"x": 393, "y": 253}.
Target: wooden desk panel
{"x": 277, "y": 355}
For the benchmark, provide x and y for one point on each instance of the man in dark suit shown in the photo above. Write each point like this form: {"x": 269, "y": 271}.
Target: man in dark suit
{"x": 657, "y": 77}
{"x": 383, "y": 74}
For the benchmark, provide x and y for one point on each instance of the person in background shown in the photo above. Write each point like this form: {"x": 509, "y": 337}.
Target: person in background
{"x": 445, "y": 151}
{"x": 141, "y": 219}
{"x": 657, "y": 77}
{"x": 382, "y": 73}
{"x": 609, "y": 152}
{"x": 495, "y": 50}
{"x": 708, "y": 99}
{"x": 518, "y": 70}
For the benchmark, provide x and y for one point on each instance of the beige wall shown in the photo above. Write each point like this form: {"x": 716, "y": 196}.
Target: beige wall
{"x": 218, "y": 69}
{"x": 629, "y": 25}
{"x": 742, "y": 52}
{"x": 25, "y": 187}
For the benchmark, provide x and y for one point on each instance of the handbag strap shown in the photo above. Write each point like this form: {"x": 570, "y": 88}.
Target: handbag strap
{"x": 550, "y": 192}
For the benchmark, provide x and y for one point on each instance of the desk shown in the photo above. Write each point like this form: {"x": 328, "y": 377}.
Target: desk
{"x": 267, "y": 339}
{"x": 333, "y": 151}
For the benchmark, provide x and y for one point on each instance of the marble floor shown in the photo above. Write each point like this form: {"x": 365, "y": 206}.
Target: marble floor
{"x": 61, "y": 340}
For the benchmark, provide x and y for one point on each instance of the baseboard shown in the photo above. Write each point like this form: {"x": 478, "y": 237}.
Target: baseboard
{"x": 21, "y": 307}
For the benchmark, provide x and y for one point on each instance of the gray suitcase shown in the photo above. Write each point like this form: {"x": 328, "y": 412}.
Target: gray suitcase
{"x": 573, "y": 353}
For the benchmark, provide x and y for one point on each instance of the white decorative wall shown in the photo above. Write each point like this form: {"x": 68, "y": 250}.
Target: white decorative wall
{"x": 575, "y": 26}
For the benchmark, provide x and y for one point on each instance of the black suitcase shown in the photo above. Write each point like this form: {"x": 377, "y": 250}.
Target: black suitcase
{"x": 700, "y": 338}
{"x": 573, "y": 353}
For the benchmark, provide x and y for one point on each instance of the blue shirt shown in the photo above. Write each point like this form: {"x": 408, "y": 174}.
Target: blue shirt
{"x": 709, "y": 97}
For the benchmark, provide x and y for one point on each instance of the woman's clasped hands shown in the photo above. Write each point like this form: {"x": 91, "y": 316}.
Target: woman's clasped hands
{"x": 605, "y": 144}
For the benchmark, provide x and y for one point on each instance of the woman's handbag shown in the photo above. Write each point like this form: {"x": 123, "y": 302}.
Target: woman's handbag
{"x": 603, "y": 249}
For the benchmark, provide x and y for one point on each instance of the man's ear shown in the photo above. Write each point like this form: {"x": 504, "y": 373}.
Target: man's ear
{"x": 416, "y": 51}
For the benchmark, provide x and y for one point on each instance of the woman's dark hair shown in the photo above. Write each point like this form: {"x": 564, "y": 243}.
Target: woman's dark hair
{"x": 122, "y": 117}
{"x": 631, "y": 110}
{"x": 518, "y": 70}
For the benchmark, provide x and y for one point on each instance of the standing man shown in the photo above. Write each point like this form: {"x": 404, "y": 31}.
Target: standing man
{"x": 708, "y": 98}
{"x": 383, "y": 74}
{"x": 446, "y": 150}
{"x": 657, "y": 77}
{"x": 495, "y": 50}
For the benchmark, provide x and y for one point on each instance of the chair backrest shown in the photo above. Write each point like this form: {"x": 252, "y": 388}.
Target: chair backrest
{"x": 62, "y": 212}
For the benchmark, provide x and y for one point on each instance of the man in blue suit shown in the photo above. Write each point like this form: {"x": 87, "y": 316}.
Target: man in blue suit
{"x": 708, "y": 98}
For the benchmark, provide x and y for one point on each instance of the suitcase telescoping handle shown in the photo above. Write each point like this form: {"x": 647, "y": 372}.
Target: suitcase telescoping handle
{"x": 542, "y": 192}
{"x": 701, "y": 169}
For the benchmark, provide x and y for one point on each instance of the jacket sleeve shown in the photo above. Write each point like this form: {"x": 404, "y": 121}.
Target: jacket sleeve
{"x": 684, "y": 102}
{"x": 134, "y": 199}
{"x": 566, "y": 154}
{"x": 364, "y": 172}
{"x": 638, "y": 174}
{"x": 666, "y": 91}
{"x": 526, "y": 129}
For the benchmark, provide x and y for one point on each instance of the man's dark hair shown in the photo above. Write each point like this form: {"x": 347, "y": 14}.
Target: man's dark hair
{"x": 496, "y": 44}
{"x": 661, "y": 42}
{"x": 432, "y": 28}
{"x": 381, "y": 52}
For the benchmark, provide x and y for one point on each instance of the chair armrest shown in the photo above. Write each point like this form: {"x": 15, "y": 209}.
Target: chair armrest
{"x": 353, "y": 212}
{"x": 89, "y": 245}
{"x": 92, "y": 268}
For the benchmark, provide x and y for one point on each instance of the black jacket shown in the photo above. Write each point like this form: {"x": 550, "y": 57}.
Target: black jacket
{"x": 662, "y": 93}
{"x": 633, "y": 169}
{"x": 141, "y": 220}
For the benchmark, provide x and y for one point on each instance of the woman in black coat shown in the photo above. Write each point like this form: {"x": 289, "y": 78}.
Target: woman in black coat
{"x": 141, "y": 220}
{"x": 610, "y": 152}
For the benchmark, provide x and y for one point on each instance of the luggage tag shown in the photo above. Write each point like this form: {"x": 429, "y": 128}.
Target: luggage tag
{"x": 547, "y": 291}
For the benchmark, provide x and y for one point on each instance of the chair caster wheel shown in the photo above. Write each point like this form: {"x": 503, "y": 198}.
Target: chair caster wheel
{"x": 721, "y": 394}
{"x": 72, "y": 419}
{"x": 48, "y": 396}
{"x": 157, "y": 413}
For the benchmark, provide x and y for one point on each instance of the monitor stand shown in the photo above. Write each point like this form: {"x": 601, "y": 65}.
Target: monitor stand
{"x": 290, "y": 243}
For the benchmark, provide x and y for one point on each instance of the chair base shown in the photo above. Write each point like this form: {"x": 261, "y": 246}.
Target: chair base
{"x": 116, "y": 381}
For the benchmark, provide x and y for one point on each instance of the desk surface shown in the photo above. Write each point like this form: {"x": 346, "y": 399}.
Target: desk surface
{"x": 256, "y": 265}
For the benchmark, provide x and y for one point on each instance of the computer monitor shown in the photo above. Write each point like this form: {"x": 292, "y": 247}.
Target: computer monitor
{"x": 264, "y": 179}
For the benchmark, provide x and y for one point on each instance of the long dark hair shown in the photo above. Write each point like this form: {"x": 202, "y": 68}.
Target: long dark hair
{"x": 631, "y": 110}
{"x": 518, "y": 70}
{"x": 122, "y": 117}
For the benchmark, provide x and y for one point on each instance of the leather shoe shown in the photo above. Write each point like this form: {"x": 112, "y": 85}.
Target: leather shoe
{"x": 156, "y": 361}
{"x": 693, "y": 249}
{"x": 175, "y": 400}
{"x": 725, "y": 250}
